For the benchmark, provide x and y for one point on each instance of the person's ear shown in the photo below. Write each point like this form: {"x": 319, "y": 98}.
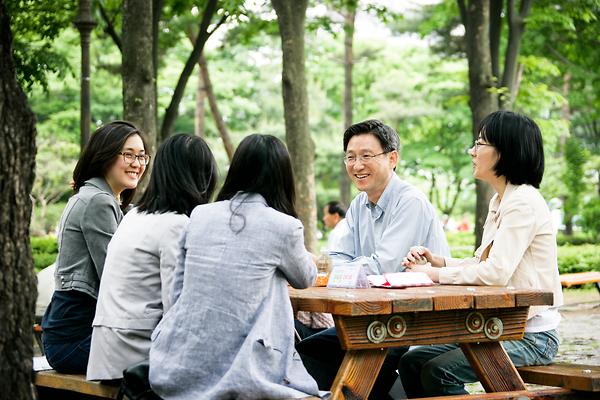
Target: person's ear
{"x": 393, "y": 158}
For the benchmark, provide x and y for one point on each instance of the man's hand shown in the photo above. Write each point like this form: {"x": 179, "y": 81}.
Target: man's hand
{"x": 420, "y": 255}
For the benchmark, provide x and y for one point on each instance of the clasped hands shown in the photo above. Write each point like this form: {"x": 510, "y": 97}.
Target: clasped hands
{"x": 420, "y": 259}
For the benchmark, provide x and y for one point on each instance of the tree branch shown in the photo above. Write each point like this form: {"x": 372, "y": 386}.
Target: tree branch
{"x": 463, "y": 11}
{"x": 221, "y": 21}
{"x": 495, "y": 34}
{"x": 516, "y": 27}
{"x": 110, "y": 28}
{"x": 203, "y": 35}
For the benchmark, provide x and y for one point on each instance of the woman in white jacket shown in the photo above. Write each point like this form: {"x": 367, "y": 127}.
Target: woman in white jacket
{"x": 518, "y": 249}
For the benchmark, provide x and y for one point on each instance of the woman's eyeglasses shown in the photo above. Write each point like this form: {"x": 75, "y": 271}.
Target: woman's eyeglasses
{"x": 129, "y": 158}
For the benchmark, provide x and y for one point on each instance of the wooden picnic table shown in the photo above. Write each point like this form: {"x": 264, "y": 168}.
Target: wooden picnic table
{"x": 369, "y": 321}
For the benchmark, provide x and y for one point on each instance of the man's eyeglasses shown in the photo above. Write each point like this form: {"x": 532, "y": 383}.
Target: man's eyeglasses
{"x": 129, "y": 158}
{"x": 477, "y": 144}
{"x": 365, "y": 158}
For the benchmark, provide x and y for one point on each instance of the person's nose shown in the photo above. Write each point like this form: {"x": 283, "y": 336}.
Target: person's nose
{"x": 358, "y": 164}
{"x": 136, "y": 161}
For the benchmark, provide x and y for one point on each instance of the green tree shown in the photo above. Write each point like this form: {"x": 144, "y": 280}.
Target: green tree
{"x": 291, "y": 17}
{"x": 575, "y": 157}
{"x": 35, "y": 25}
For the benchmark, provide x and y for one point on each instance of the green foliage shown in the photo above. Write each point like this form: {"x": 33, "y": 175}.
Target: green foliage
{"x": 575, "y": 239}
{"x": 590, "y": 221}
{"x": 462, "y": 244}
{"x": 578, "y": 258}
{"x": 575, "y": 157}
{"x": 44, "y": 220}
{"x": 45, "y": 250}
{"x": 55, "y": 162}
{"x": 35, "y": 25}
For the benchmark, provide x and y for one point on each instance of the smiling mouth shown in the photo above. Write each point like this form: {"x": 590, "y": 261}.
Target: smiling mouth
{"x": 133, "y": 174}
{"x": 361, "y": 176}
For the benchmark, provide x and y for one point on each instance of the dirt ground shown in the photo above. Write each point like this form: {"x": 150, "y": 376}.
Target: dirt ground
{"x": 580, "y": 327}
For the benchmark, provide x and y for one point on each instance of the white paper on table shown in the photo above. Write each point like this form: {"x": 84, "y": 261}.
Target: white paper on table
{"x": 400, "y": 280}
{"x": 40, "y": 364}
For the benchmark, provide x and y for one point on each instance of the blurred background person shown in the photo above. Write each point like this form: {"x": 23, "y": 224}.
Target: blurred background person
{"x": 334, "y": 214}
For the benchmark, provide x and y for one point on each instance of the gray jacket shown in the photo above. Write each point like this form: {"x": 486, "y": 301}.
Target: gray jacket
{"x": 86, "y": 226}
{"x": 230, "y": 331}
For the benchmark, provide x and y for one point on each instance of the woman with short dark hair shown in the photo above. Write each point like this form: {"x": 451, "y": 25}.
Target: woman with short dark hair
{"x": 518, "y": 249}
{"x": 104, "y": 180}
{"x": 135, "y": 288}
{"x": 230, "y": 331}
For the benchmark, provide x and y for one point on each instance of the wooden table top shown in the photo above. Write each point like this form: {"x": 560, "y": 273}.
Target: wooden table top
{"x": 355, "y": 302}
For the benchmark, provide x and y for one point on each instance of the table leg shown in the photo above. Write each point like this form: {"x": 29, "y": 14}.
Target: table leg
{"x": 357, "y": 374}
{"x": 493, "y": 367}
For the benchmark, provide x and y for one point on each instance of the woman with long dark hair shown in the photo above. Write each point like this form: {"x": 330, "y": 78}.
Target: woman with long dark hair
{"x": 135, "y": 288}
{"x": 230, "y": 331}
{"x": 104, "y": 180}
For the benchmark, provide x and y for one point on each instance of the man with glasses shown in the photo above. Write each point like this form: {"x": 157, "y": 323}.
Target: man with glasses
{"x": 384, "y": 221}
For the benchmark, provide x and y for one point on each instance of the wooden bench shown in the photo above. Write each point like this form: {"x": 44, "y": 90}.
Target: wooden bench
{"x": 74, "y": 383}
{"x": 572, "y": 376}
{"x": 580, "y": 278}
{"x": 64, "y": 383}
{"x": 544, "y": 394}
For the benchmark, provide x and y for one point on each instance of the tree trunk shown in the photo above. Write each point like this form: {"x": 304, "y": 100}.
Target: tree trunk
{"x": 566, "y": 112}
{"x": 214, "y": 109}
{"x": 199, "y": 111}
{"x": 349, "y": 18}
{"x": 482, "y": 97}
{"x": 516, "y": 27}
{"x": 496, "y": 7}
{"x": 205, "y": 90}
{"x": 85, "y": 23}
{"x": 17, "y": 280}
{"x": 157, "y": 7}
{"x": 203, "y": 35}
{"x": 291, "y": 16}
{"x": 139, "y": 95}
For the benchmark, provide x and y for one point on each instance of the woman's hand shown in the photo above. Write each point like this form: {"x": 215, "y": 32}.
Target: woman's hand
{"x": 432, "y": 272}
{"x": 419, "y": 255}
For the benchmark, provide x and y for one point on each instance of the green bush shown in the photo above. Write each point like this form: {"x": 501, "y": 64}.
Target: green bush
{"x": 576, "y": 239}
{"x": 590, "y": 221}
{"x": 571, "y": 256}
{"x": 578, "y": 258}
{"x": 44, "y": 249}
{"x": 462, "y": 244}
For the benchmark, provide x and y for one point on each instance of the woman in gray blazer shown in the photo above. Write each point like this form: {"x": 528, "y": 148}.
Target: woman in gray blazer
{"x": 230, "y": 331}
{"x": 141, "y": 257}
{"x": 104, "y": 180}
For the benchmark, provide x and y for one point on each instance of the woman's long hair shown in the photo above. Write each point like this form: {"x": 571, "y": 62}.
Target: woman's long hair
{"x": 184, "y": 175}
{"x": 102, "y": 151}
{"x": 261, "y": 164}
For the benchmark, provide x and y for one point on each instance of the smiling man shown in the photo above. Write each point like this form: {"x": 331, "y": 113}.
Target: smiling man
{"x": 383, "y": 222}
{"x": 390, "y": 215}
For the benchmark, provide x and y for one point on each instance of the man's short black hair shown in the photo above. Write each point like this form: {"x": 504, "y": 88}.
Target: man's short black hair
{"x": 518, "y": 141}
{"x": 335, "y": 207}
{"x": 386, "y": 135}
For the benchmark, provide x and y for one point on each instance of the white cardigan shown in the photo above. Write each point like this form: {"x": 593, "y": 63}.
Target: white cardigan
{"x": 522, "y": 254}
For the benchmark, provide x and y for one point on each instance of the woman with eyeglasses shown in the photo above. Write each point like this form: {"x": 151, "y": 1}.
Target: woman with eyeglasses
{"x": 518, "y": 249}
{"x": 138, "y": 271}
{"x": 230, "y": 331}
{"x": 104, "y": 181}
